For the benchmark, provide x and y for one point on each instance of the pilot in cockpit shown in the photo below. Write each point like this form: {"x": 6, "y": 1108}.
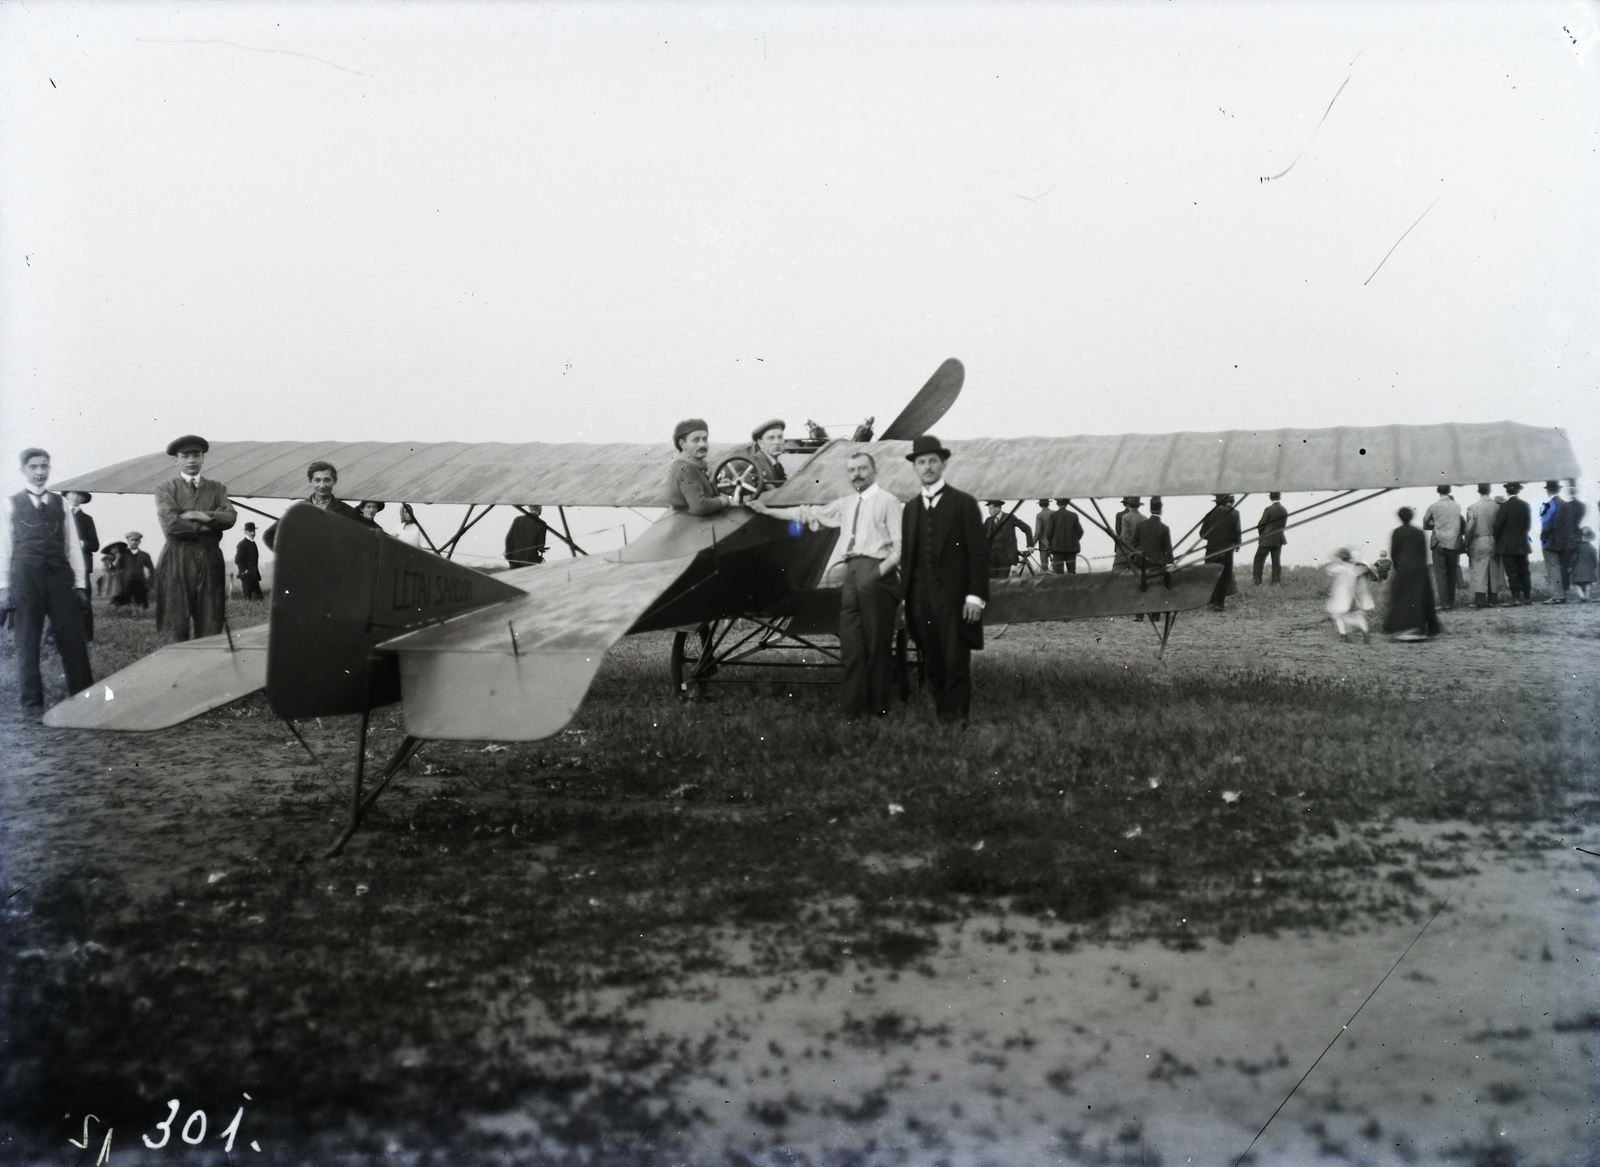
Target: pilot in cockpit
{"x": 765, "y": 451}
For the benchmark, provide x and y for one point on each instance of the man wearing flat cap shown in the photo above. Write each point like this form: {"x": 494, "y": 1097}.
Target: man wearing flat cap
{"x": 1066, "y": 538}
{"x": 1223, "y": 534}
{"x": 1001, "y": 530}
{"x": 766, "y": 450}
{"x": 191, "y": 577}
{"x": 688, "y": 482}
{"x": 945, "y": 562}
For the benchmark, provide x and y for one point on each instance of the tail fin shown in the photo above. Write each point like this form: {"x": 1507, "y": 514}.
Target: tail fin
{"x": 340, "y": 587}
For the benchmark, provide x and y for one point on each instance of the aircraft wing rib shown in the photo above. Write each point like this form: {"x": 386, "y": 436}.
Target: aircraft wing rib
{"x": 517, "y": 671}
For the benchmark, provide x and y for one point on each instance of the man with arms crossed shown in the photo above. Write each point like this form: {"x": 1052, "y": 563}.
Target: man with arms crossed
{"x": 868, "y": 550}
{"x": 945, "y": 560}
{"x": 191, "y": 578}
{"x": 42, "y": 574}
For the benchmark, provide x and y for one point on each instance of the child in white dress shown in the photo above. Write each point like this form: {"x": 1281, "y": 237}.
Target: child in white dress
{"x": 1351, "y": 598}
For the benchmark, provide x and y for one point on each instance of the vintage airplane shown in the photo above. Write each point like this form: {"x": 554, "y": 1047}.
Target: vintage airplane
{"x": 360, "y": 620}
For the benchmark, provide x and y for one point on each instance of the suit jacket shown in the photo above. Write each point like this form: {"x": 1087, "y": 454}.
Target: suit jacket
{"x": 1154, "y": 542}
{"x": 1221, "y": 531}
{"x": 1002, "y": 533}
{"x": 1273, "y": 520}
{"x": 334, "y": 507}
{"x": 247, "y": 558}
{"x": 526, "y": 540}
{"x": 961, "y": 552}
{"x": 1512, "y": 522}
{"x": 1066, "y": 532}
{"x": 88, "y": 538}
{"x": 1564, "y": 531}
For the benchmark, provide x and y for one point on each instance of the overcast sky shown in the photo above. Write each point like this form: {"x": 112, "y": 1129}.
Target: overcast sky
{"x": 574, "y": 221}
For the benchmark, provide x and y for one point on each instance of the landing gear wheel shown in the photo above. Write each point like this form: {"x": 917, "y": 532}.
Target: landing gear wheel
{"x": 691, "y": 666}
{"x": 737, "y": 477}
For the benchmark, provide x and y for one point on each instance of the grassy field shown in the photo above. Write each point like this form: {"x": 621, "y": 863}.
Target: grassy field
{"x": 488, "y": 941}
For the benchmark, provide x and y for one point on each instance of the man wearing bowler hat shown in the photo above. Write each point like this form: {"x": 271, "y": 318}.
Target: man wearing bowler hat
{"x": 247, "y": 564}
{"x": 945, "y": 561}
{"x": 1222, "y": 534}
{"x": 191, "y": 578}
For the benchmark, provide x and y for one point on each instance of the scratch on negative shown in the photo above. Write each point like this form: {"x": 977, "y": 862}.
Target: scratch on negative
{"x": 247, "y": 48}
{"x": 1399, "y": 241}
{"x": 1325, "y": 113}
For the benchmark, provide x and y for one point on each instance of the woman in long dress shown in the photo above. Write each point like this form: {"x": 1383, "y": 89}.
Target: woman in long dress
{"x": 1411, "y": 614}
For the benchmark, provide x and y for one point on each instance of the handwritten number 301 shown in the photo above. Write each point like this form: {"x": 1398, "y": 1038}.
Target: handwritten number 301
{"x": 165, "y": 1127}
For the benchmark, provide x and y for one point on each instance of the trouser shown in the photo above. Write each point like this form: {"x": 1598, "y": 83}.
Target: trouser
{"x": 250, "y": 586}
{"x": 1517, "y": 578}
{"x": 1446, "y": 571}
{"x": 1061, "y": 562}
{"x": 999, "y": 570}
{"x": 1568, "y": 565}
{"x": 946, "y": 654}
{"x": 40, "y": 589}
{"x": 1219, "y": 594}
{"x": 134, "y": 593}
{"x": 1552, "y": 570}
{"x": 1488, "y": 574}
{"x": 866, "y": 637}
{"x": 191, "y": 588}
{"x": 1261, "y": 559}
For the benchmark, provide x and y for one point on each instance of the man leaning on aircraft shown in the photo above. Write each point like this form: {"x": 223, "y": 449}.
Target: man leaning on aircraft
{"x": 688, "y": 482}
{"x": 323, "y": 478}
{"x": 868, "y": 550}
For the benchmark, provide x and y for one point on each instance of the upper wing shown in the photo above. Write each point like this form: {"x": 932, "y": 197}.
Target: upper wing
{"x": 546, "y": 473}
{"x": 1238, "y": 461}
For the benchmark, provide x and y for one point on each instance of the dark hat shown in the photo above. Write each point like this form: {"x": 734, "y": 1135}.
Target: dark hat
{"x": 1155, "y": 505}
{"x": 187, "y": 442}
{"x": 775, "y": 424}
{"x": 994, "y": 502}
{"x": 1444, "y": 490}
{"x": 1044, "y": 502}
{"x": 1274, "y": 496}
{"x": 1513, "y": 487}
{"x": 84, "y": 494}
{"x": 371, "y": 502}
{"x": 1552, "y": 484}
{"x": 1483, "y": 488}
{"x": 1131, "y": 501}
{"x": 249, "y": 526}
{"x": 686, "y": 427}
{"x": 1224, "y": 499}
{"x": 927, "y": 444}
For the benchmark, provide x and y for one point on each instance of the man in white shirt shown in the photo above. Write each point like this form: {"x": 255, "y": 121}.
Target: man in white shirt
{"x": 867, "y": 556}
{"x": 1447, "y": 522}
{"x": 42, "y": 567}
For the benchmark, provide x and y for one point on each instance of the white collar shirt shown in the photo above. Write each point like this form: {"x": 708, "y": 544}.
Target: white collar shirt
{"x": 868, "y": 524}
{"x": 69, "y": 540}
{"x": 932, "y": 494}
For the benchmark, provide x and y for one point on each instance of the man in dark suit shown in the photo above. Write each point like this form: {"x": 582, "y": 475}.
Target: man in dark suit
{"x": 528, "y": 539}
{"x": 247, "y": 564}
{"x": 945, "y": 561}
{"x": 89, "y": 540}
{"x": 1153, "y": 543}
{"x": 1001, "y": 530}
{"x": 1066, "y": 538}
{"x": 1221, "y": 531}
{"x": 1270, "y": 529}
{"x": 1512, "y": 522}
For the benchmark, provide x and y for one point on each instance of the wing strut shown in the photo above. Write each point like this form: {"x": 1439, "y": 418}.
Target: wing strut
{"x": 1334, "y": 510}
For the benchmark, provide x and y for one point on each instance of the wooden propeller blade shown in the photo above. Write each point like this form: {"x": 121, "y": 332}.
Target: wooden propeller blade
{"x": 931, "y": 403}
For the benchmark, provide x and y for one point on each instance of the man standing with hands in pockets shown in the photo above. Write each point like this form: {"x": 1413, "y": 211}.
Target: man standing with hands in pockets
{"x": 945, "y": 558}
{"x": 868, "y": 552}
